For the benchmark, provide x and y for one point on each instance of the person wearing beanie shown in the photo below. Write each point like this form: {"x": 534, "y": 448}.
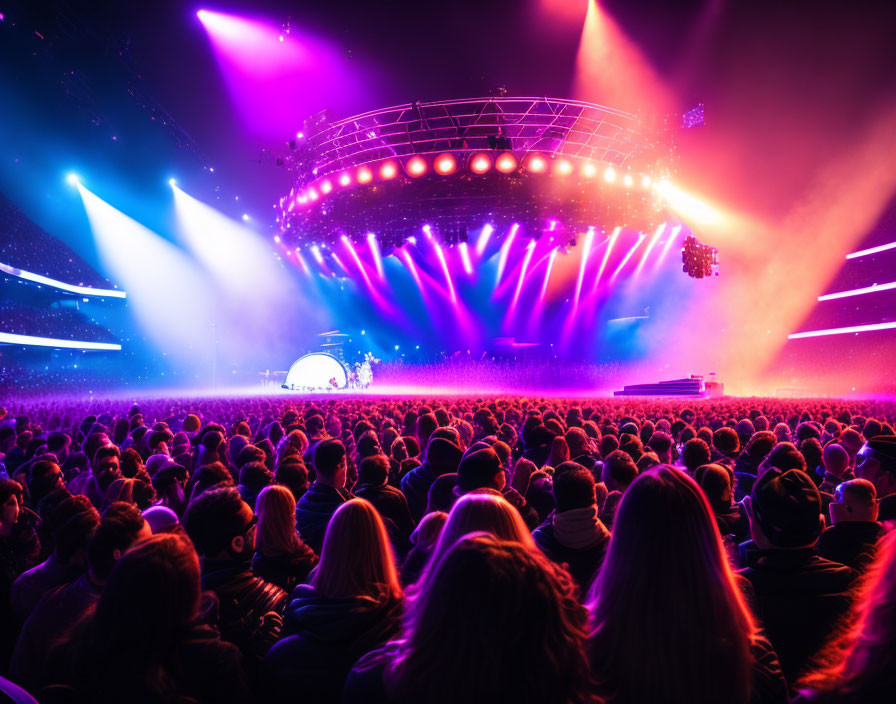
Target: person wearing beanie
{"x": 573, "y": 535}
{"x": 390, "y": 503}
{"x": 876, "y": 462}
{"x": 852, "y": 539}
{"x": 799, "y": 596}
{"x": 442, "y": 457}
{"x": 481, "y": 469}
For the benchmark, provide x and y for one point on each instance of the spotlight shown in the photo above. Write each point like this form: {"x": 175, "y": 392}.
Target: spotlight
{"x": 416, "y": 166}
{"x": 172, "y": 182}
{"x": 445, "y": 164}
{"x": 364, "y": 175}
{"x": 536, "y": 164}
{"x": 628, "y": 180}
{"x": 506, "y": 163}
{"x": 563, "y": 167}
{"x": 73, "y": 179}
{"x": 610, "y": 174}
{"x": 312, "y": 194}
{"x": 388, "y": 170}
{"x": 480, "y": 163}
{"x": 345, "y": 179}
{"x": 589, "y": 170}
{"x": 245, "y": 217}
{"x": 645, "y": 181}
{"x": 277, "y": 239}
{"x": 412, "y": 239}
{"x": 326, "y": 187}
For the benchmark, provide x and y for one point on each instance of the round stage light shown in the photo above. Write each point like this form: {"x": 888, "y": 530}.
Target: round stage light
{"x": 445, "y": 164}
{"x": 645, "y": 181}
{"x": 506, "y": 163}
{"x": 312, "y": 194}
{"x": 589, "y": 170}
{"x": 74, "y": 180}
{"x": 628, "y": 180}
{"x": 480, "y": 163}
{"x": 610, "y": 174}
{"x": 326, "y": 187}
{"x": 171, "y": 181}
{"x": 388, "y": 170}
{"x": 416, "y": 166}
{"x": 563, "y": 167}
{"x": 536, "y": 164}
{"x": 364, "y": 175}
{"x": 344, "y": 179}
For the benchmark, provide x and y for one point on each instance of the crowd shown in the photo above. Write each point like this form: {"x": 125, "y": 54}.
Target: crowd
{"x": 58, "y": 323}
{"x": 26, "y": 246}
{"x": 448, "y": 549}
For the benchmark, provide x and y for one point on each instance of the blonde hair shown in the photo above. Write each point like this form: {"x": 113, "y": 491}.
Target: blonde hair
{"x": 293, "y": 443}
{"x": 484, "y": 512}
{"x": 276, "y": 511}
{"x": 356, "y": 559}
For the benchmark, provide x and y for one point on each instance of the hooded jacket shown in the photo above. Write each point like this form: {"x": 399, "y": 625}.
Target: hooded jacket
{"x": 325, "y": 637}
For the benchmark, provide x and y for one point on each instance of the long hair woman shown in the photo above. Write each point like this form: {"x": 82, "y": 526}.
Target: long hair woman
{"x": 859, "y": 665}
{"x": 486, "y": 512}
{"x": 280, "y": 556}
{"x": 497, "y": 623}
{"x": 144, "y": 641}
{"x": 352, "y": 606}
{"x": 669, "y": 623}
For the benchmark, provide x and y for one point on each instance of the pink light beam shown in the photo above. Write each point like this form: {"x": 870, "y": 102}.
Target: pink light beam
{"x": 484, "y": 236}
{"x": 505, "y": 251}
{"x": 589, "y": 240}
{"x": 858, "y": 291}
{"x": 603, "y": 264}
{"x": 628, "y": 256}
{"x": 530, "y": 248}
{"x": 441, "y": 255}
{"x": 547, "y": 275}
{"x": 465, "y": 258}
{"x": 673, "y": 237}
{"x": 843, "y": 331}
{"x": 650, "y": 246}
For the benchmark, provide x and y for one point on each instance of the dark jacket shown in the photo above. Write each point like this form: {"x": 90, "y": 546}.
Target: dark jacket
{"x": 286, "y": 571}
{"x": 887, "y": 508}
{"x": 415, "y": 487}
{"x": 391, "y": 504}
{"x": 850, "y": 543}
{"x": 243, "y": 600}
{"x": 583, "y": 564}
{"x": 526, "y": 511}
{"x": 734, "y": 522}
{"x": 314, "y": 510}
{"x": 325, "y": 637}
{"x": 798, "y": 598}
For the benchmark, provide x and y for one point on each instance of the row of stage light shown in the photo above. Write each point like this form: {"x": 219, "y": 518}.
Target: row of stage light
{"x": 447, "y": 163}
{"x": 331, "y": 265}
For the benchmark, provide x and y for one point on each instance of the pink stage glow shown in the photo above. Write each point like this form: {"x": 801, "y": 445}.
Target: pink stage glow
{"x": 388, "y": 171}
{"x": 276, "y": 80}
{"x": 563, "y": 167}
{"x": 589, "y": 170}
{"x": 872, "y": 250}
{"x": 858, "y": 291}
{"x": 365, "y": 175}
{"x": 480, "y": 163}
{"x": 505, "y": 251}
{"x": 445, "y": 164}
{"x": 609, "y": 174}
{"x": 345, "y": 180}
{"x": 843, "y": 331}
{"x": 506, "y": 163}
{"x": 484, "y": 236}
{"x": 536, "y": 164}
{"x": 465, "y": 258}
{"x": 416, "y": 166}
